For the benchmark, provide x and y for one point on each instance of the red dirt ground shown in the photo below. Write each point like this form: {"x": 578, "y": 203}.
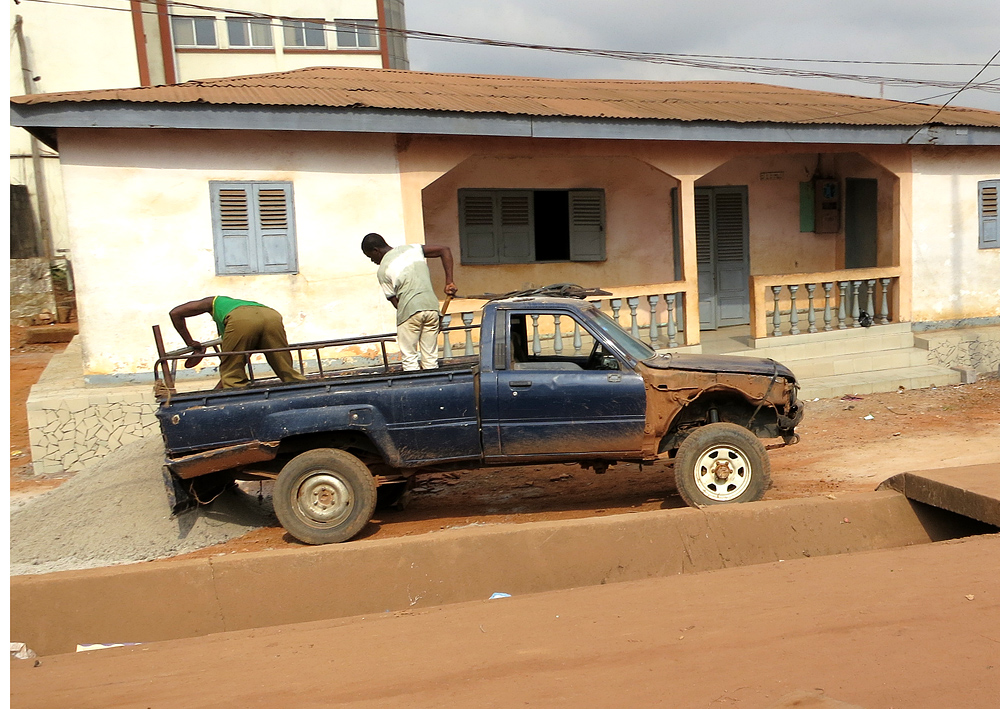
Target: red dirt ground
{"x": 27, "y": 362}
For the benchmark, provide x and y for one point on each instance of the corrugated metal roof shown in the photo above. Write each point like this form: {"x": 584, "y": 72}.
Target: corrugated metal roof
{"x": 340, "y": 87}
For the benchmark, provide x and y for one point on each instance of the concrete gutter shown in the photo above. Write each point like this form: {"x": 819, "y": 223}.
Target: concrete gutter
{"x": 972, "y": 491}
{"x": 155, "y": 601}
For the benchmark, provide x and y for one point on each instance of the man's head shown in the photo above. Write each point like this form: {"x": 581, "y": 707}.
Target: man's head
{"x": 374, "y": 247}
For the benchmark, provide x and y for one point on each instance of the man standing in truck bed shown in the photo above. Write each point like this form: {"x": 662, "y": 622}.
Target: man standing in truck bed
{"x": 406, "y": 282}
{"x": 244, "y": 325}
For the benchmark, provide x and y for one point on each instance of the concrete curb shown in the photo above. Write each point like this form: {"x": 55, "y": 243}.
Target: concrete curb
{"x": 154, "y": 601}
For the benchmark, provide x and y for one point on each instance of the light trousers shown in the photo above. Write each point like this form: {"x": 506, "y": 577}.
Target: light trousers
{"x": 417, "y": 340}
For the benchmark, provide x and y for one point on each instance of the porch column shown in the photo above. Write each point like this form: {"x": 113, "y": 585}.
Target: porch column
{"x": 689, "y": 258}
{"x": 902, "y": 303}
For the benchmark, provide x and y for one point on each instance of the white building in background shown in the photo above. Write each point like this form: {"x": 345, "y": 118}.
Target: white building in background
{"x": 81, "y": 44}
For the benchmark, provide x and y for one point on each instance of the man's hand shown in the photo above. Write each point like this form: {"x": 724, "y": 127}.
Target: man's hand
{"x": 197, "y": 354}
{"x": 450, "y": 289}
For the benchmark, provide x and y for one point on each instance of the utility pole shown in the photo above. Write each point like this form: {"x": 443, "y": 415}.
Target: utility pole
{"x": 41, "y": 191}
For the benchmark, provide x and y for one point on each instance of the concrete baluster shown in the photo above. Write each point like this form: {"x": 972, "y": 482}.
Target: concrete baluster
{"x": 467, "y": 319}
{"x": 776, "y": 317}
{"x": 654, "y": 326}
{"x": 557, "y": 343}
{"x": 445, "y": 324}
{"x": 536, "y": 342}
{"x": 577, "y": 338}
{"x": 811, "y": 287}
{"x": 842, "y": 310}
{"x": 616, "y": 306}
{"x": 671, "y": 321}
{"x": 871, "y": 299}
{"x": 827, "y": 316}
{"x": 793, "y": 316}
{"x": 633, "y": 306}
{"x": 855, "y": 306}
{"x": 884, "y": 312}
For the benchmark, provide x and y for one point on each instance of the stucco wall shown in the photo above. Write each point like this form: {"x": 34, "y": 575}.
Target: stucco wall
{"x": 638, "y": 230}
{"x": 142, "y": 229}
{"x": 138, "y": 203}
{"x": 952, "y": 277}
{"x": 75, "y": 45}
{"x": 776, "y": 244}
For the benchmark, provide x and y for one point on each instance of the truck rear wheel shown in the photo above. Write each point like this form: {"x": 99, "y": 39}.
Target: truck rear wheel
{"x": 324, "y": 496}
{"x": 721, "y": 463}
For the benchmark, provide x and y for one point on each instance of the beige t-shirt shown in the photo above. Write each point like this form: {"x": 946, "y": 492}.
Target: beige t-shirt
{"x": 403, "y": 273}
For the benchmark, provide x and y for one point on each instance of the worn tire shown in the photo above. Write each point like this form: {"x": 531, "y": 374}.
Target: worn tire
{"x": 324, "y": 496}
{"x": 721, "y": 463}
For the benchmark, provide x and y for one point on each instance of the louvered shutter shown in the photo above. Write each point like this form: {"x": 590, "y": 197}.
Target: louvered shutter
{"x": 732, "y": 265}
{"x": 517, "y": 230}
{"x": 254, "y": 227}
{"x": 989, "y": 232}
{"x": 706, "y": 264}
{"x": 275, "y": 227}
{"x": 477, "y": 225}
{"x": 586, "y": 225}
{"x": 233, "y": 227}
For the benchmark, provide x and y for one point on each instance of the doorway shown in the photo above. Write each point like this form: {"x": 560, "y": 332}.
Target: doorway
{"x": 722, "y": 236}
{"x": 860, "y": 223}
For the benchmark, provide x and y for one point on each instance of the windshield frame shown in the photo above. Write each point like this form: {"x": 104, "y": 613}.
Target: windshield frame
{"x": 636, "y": 350}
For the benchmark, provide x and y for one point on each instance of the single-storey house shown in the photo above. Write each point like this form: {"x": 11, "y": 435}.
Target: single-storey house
{"x": 795, "y": 215}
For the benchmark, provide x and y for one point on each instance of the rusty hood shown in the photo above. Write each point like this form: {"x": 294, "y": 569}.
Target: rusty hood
{"x": 728, "y": 364}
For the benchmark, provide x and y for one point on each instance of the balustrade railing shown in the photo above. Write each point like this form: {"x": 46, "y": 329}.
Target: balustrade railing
{"x": 653, "y": 314}
{"x": 813, "y": 302}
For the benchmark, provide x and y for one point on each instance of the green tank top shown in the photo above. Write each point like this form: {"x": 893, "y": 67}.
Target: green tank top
{"x": 222, "y": 305}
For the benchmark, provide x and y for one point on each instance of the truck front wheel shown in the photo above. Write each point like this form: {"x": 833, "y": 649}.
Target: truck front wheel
{"x": 324, "y": 496}
{"x": 720, "y": 463}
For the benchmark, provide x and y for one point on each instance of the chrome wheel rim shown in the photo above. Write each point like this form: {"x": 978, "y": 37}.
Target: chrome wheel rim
{"x": 722, "y": 473}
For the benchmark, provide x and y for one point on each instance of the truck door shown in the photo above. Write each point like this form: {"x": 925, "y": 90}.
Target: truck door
{"x": 560, "y": 391}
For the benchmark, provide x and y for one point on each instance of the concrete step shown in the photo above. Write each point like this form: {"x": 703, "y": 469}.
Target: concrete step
{"x": 853, "y": 363}
{"x": 920, "y": 377}
{"x": 791, "y": 348}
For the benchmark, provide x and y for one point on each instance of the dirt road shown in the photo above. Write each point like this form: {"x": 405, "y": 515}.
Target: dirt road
{"x": 913, "y": 628}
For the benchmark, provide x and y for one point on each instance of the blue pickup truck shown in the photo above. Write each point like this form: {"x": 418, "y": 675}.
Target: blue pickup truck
{"x": 342, "y": 439}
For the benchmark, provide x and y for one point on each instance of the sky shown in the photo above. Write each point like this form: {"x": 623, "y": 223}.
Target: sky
{"x": 962, "y": 31}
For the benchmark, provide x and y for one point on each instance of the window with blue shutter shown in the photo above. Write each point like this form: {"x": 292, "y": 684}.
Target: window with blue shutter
{"x": 586, "y": 225}
{"x": 989, "y": 230}
{"x": 254, "y": 228}
{"x": 531, "y": 226}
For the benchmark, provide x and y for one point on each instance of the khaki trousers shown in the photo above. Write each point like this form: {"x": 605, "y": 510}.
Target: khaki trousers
{"x": 251, "y": 327}
{"x": 417, "y": 340}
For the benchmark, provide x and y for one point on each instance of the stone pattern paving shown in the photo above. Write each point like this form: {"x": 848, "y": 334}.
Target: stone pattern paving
{"x": 72, "y": 433}
{"x": 72, "y": 427}
{"x": 978, "y": 348}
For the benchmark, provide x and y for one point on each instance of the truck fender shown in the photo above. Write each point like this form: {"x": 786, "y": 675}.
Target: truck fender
{"x": 361, "y": 418}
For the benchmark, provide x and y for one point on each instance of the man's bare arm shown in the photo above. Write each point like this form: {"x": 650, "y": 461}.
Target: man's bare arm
{"x": 443, "y": 253}
{"x": 189, "y": 310}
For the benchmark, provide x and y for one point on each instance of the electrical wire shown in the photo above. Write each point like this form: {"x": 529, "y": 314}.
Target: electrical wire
{"x": 697, "y": 61}
{"x": 967, "y": 84}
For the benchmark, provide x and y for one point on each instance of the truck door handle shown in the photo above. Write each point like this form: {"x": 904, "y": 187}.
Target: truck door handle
{"x": 520, "y": 384}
